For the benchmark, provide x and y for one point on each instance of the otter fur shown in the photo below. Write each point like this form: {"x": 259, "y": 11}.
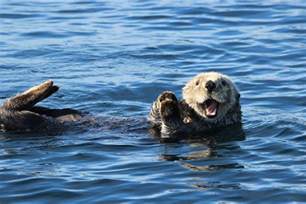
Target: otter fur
{"x": 210, "y": 100}
{"x": 19, "y": 113}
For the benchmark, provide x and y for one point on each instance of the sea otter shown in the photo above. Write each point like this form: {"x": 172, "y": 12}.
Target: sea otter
{"x": 210, "y": 101}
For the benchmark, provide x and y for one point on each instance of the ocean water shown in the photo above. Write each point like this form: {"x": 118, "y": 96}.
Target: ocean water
{"x": 113, "y": 58}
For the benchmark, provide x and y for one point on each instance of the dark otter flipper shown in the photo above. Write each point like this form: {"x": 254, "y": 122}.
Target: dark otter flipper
{"x": 30, "y": 97}
{"x": 62, "y": 115}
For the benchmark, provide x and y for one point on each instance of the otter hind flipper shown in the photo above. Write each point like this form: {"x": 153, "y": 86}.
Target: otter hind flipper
{"x": 50, "y": 91}
{"x": 61, "y": 115}
{"x": 30, "y": 97}
{"x": 55, "y": 113}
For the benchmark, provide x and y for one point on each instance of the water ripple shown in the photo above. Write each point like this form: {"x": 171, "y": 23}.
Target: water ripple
{"x": 113, "y": 58}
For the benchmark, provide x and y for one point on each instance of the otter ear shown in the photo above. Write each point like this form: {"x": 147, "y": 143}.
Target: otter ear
{"x": 197, "y": 82}
{"x": 186, "y": 90}
{"x": 237, "y": 96}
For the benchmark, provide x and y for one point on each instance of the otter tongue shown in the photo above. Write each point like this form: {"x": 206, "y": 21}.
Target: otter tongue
{"x": 211, "y": 109}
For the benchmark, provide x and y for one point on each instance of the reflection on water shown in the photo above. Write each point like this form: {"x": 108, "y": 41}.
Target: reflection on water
{"x": 213, "y": 167}
{"x": 207, "y": 159}
{"x": 210, "y": 142}
{"x": 217, "y": 186}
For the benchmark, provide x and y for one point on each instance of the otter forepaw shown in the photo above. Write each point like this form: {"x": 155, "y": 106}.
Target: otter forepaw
{"x": 169, "y": 111}
{"x": 167, "y": 96}
{"x": 165, "y": 112}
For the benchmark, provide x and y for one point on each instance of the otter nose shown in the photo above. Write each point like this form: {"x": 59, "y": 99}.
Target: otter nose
{"x": 210, "y": 85}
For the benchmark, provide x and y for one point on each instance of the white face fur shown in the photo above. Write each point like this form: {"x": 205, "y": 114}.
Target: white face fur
{"x": 211, "y": 95}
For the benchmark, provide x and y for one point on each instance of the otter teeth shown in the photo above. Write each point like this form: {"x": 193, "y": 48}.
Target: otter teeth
{"x": 211, "y": 107}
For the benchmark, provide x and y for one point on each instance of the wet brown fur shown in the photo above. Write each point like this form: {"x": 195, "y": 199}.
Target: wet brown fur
{"x": 19, "y": 113}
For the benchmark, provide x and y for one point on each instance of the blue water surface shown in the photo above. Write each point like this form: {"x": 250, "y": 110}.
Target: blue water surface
{"x": 112, "y": 59}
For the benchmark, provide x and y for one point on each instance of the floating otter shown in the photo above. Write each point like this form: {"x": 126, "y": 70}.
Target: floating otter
{"x": 210, "y": 101}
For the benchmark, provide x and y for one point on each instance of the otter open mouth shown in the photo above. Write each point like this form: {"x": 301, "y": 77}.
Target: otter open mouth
{"x": 211, "y": 108}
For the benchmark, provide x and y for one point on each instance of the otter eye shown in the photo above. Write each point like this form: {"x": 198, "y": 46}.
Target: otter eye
{"x": 197, "y": 83}
{"x": 223, "y": 82}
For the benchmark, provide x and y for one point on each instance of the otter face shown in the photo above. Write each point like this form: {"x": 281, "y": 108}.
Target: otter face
{"x": 211, "y": 95}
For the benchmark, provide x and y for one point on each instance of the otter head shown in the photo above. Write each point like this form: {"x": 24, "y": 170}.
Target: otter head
{"x": 211, "y": 95}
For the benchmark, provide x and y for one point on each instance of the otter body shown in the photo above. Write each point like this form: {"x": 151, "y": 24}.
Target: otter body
{"x": 210, "y": 100}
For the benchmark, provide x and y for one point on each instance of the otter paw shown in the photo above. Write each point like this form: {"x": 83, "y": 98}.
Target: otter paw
{"x": 167, "y": 96}
{"x": 169, "y": 111}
